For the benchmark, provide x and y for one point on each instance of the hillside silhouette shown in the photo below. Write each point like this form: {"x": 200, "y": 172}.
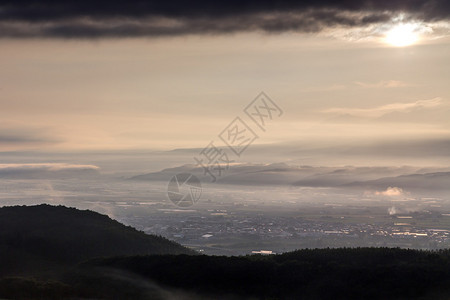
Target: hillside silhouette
{"x": 342, "y": 273}
{"x": 55, "y": 252}
{"x": 37, "y": 239}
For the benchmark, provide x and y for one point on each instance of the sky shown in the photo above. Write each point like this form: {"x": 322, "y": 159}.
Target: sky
{"x": 124, "y": 75}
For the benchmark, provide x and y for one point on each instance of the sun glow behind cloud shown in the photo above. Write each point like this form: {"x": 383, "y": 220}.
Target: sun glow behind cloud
{"x": 402, "y": 35}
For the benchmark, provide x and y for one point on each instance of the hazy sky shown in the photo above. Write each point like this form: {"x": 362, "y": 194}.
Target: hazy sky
{"x": 164, "y": 75}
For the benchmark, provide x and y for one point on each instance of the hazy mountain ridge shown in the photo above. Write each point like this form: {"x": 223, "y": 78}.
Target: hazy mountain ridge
{"x": 313, "y": 176}
{"x": 437, "y": 180}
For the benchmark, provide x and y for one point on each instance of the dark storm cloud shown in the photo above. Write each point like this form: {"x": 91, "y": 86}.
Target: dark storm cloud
{"x": 97, "y": 18}
{"x": 304, "y": 22}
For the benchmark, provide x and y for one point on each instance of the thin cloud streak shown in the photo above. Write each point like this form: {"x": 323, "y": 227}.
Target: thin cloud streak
{"x": 388, "y": 108}
{"x": 383, "y": 84}
{"x": 46, "y": 166}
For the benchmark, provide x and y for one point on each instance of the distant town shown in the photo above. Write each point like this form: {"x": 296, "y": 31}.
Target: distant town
{"x": 241, "y": 232}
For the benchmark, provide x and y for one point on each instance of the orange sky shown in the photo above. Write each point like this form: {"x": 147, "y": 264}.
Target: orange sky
{"x": 165, "y": 93}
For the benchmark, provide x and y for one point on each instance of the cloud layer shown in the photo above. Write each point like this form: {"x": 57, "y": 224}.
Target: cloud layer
{"x": 388, "y": 108}
{"x": 47, "y": 171}
{"x": 99, "y": 18}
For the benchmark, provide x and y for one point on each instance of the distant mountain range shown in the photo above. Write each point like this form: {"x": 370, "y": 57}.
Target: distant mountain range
{"x": 309, "y": 176}
{"x": 374, "y": 177}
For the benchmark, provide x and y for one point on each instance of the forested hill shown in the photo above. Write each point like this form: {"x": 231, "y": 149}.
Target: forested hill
{"x": 49, "y": 252}
{"x": 37, "y": 237}
{"x": 343, "y": 273}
